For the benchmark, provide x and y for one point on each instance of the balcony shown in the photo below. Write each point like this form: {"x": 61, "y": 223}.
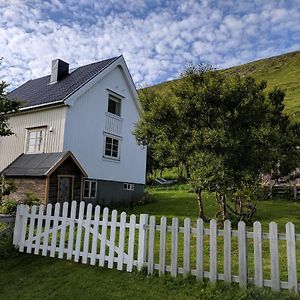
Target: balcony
{"x": 113, "y": 124}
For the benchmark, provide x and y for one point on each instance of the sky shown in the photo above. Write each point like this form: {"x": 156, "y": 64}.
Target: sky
{"x": 157, "y": 38}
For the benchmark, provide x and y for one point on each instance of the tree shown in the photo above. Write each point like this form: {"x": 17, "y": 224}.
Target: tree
{"x": 237, "y": 133}
{"x": 227, "y": 131}
{"x": 6, "y": 106}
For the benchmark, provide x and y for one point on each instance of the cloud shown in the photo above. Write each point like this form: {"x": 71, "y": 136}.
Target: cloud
{"x": 157, "y": 38}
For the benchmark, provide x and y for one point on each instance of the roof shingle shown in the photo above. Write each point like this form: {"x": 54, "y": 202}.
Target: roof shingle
{"x": 39, "y": 91}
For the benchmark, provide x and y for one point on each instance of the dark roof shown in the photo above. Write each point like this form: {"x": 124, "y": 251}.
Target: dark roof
{"x": 33, "y": 164}
{"x": 40, "y": 91}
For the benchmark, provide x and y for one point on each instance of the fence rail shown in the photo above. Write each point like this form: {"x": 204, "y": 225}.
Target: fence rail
{"x": 95, "y": 235}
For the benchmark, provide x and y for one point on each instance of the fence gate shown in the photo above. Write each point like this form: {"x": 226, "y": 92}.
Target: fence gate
{"x": 81, "y": 233}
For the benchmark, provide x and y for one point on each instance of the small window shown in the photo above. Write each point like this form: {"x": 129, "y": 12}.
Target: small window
{"x": 35, "y": 140}
{"x": 128, "y": 186}
{"x": 90, "y": 189}
{"x": 114, "y": 105}
{"x": 112, "y": 147}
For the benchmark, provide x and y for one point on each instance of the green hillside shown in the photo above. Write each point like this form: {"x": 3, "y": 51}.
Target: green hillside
{"x": 281, "y": 71}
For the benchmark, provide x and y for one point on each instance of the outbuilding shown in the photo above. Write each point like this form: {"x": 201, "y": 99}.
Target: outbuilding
{"x": 52, "y": 177}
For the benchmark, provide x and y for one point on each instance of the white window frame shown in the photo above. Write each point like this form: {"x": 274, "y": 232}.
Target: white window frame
{"x": 128, "y": 186}
{"x": 90, "y": 181}
{"x": 113, "y": 137}
{"x": 41, "y": 129}
{"x": 116, "y": 98}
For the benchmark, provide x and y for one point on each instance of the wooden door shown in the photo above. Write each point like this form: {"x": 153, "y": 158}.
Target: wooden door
{"x": 65, "y": 189}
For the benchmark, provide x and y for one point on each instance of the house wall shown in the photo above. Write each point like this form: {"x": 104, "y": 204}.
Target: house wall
{"x": 37, "y": 186}
{"x": 13, "y": 146}
{"x": 85, "y": 123}
{"x": 111, "y": 193}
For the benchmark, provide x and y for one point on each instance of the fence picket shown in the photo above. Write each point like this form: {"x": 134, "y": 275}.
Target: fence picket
{"x": 291, "y": 257}
{"x": 87, "y": 233}
{"x": 39, "y": 230}
{"x": 162, "y": 246}
{"x": 187, "y": 246}
{"x": 54, "y": 232}
{"x": 46, "y": 231}
{"x": 174, "y": 250}
{"x": 79, "y": 231}
{"x": 227, "y": 251}
{"x": 142, "y": 247}
{"x": 71, "y": 230}
{"x": 17, "y": 229}
{"x": 24, "y": 212}
{"x": 121, "y": 241}
{"x": 63, "y": 230}
{"x": 95, "y": 235}
{"x": 199, "y": 250}
{"x": 151, "y": 245}
{"x": 103, "y": 237}
{"x": 242, "y": 245}
{"x": 32, "y": 216}
{"x": 213, "y": 252}
{"x": 111, "y": 252}
{"x": 274, "y": 258}
{"x": 257, "y": 241}
{"x": 131, "y": 240}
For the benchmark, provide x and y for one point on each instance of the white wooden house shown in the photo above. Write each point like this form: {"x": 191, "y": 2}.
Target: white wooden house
{"x": 90, "y": 112}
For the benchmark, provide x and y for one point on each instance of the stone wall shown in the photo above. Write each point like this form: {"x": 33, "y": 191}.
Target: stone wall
{"x": 26, "y": 185}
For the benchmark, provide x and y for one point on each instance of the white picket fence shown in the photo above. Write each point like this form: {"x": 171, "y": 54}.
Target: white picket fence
{"x": 94, "y": 235}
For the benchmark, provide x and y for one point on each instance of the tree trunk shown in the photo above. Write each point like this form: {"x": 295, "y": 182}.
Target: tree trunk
{"x": 200, "y": 206}
{"x": 222, "y": 214}
{"x": 187, "y": 169}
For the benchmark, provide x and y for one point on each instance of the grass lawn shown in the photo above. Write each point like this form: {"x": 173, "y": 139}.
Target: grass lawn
{"x": 34, "y": 277}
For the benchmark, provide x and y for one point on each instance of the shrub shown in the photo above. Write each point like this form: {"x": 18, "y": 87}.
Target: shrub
{"x": 8, "y": 207}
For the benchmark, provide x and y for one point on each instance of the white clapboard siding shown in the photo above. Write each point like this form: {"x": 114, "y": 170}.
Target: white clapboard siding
{"x": 83, "y": 235}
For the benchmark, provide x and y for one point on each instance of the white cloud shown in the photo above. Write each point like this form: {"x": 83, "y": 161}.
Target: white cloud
{"x": 157, "y": 38}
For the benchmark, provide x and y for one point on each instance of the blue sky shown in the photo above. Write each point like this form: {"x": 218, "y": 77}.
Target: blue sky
{"x": 157, "y": 38}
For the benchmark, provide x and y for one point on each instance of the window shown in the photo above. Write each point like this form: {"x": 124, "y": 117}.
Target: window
{"x": 128, "y": 186}
{"x": 114, "y": 105}
{"x": 112, "y": 147}
{"x": 90, "y": 189}
{"x": 35, "y": 140}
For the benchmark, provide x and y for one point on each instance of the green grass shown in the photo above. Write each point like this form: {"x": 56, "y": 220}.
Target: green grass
{"x": 281, "y": 71}
{"x": 36, "y": 277}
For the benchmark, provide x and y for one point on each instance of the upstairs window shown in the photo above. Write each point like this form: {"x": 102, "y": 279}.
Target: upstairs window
{"x": 35, "y": 140}
{"x": 112, "y": 147}
{"x": 114, "y": 105}
{"x": 90, "y": 189}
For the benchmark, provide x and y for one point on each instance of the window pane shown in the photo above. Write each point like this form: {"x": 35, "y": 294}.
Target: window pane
{"x": 93, "y": 189}
{"x": 86, "y": 189}
{"x": 114, "y": 105}
{"x": 115, "y": 154}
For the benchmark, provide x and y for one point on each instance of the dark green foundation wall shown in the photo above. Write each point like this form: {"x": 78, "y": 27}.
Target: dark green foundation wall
{"x": 111, "y": 193}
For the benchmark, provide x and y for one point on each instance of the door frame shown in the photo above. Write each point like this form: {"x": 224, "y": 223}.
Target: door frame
{"x": 72, "y": 186}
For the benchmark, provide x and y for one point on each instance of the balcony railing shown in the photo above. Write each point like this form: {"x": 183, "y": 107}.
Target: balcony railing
{"x": 113, "y": 124}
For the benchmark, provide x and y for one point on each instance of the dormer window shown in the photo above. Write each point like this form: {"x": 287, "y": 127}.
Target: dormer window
{"x": 35, "y": 140}
{"x": 114, "y": 105}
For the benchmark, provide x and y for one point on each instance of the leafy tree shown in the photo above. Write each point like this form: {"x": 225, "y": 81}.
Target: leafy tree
{"x": 227, "y": 131}
{"x": 6, "y": 106}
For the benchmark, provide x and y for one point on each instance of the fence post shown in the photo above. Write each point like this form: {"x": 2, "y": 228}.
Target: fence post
{"x": 227, "y": 251}
{"x": 257, "y": 241}
{"x": 213, "y": 263}
{"x": 275, "y": 275}
{"x": 142, "y": 250}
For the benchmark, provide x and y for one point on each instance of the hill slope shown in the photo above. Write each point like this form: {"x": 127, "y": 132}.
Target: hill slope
{"x": 281, "y": 71}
